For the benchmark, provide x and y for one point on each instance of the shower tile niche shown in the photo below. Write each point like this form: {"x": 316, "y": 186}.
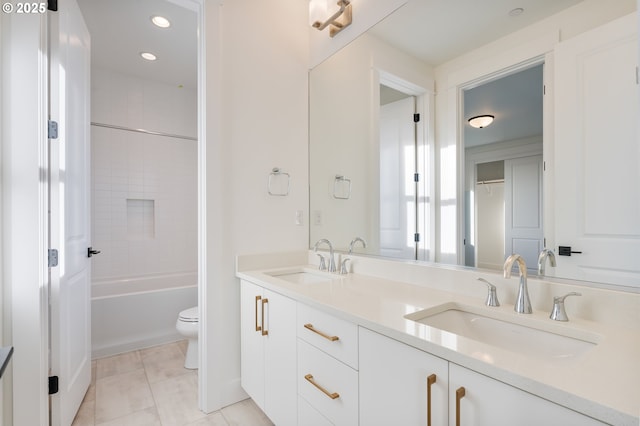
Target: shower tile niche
{"x": 140, "y": 219}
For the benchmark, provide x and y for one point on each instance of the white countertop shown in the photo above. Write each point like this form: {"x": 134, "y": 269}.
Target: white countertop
{"x": 603, "y": 383}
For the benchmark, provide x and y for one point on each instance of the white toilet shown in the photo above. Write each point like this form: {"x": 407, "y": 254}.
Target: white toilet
{"x": 187, "y": 325}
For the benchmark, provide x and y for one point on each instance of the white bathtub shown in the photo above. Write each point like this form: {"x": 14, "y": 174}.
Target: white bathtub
{"x": 136, "y": 313}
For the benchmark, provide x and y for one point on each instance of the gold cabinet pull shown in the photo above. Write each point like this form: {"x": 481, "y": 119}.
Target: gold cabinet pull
{"x": 460, "y": 393}
{"x": 258, "y": 328}
{"x": 431, "y": 379}
{"x": 264, "y": 329}
{"x": 334, "y": 395}
{"x": 326, "y": 336}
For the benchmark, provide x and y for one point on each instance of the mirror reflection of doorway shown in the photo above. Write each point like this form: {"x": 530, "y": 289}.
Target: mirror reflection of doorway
{"x": 397, "y": 168}
{"x": 503, "y": 169}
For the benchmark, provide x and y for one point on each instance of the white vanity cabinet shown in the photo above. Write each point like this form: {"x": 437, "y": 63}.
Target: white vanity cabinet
{"x": 395, "y": 388}
{"x": 487, "y": 401}
{"x": 399, "y": 384}
{"x": 268, "y": 351}
{"x": 327, "y": 369}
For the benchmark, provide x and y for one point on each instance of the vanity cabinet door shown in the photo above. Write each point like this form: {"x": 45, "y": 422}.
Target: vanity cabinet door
{"x": 268, "y": 352}
{"x": 251, "y": 342}
{"x": 394, "y": 383}
{"x": 487, "y": 401}
{"x": 280, "y": 359}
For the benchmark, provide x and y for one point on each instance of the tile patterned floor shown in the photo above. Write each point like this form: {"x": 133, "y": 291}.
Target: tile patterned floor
{"x": 151, "y": 387}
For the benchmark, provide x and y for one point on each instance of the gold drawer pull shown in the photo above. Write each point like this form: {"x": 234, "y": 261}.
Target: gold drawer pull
{"x": 309, "y": 379}
{"x": 460, "y": 393}
{"x": 258, "y": 328}
{"x": 431, "y": 379}
{"x": 264, "y": 329}
{"x": 326, "y": 336}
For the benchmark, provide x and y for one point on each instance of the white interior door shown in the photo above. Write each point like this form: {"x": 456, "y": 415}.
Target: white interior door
{"x": 397, "y": 186}
{"x": 523, "y": 208}
{"x": 70, "y": 221}
{"x": 597, "y": 154}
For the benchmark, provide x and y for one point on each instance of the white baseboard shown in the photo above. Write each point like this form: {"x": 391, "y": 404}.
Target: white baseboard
{"x": 133, "y": 345}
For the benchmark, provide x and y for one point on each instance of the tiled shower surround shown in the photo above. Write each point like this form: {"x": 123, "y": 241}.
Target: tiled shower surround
{"x": 144, "y": 187}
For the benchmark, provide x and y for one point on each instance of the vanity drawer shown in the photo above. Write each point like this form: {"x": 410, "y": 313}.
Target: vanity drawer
{"x": 337, "y": 337}
{"x": 309, "y": 416}
{"x": 328, "y": 385}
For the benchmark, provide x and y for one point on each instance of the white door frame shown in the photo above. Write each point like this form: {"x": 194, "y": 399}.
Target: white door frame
{"x": 211, "y": 392}
{"x": 24, "y": 213}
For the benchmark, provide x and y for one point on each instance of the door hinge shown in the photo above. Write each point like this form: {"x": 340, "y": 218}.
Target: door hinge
{"x": 53, "y": 385}
{"x": 416, "y": 177}
{"x": 52, "y": 132}
{"x": 416, "y": 237}
{"x": 52, "y": 5}
{"x": 544, "y": 89}
{"x": 416, "y": 118}
{"x": 52, "y": 258}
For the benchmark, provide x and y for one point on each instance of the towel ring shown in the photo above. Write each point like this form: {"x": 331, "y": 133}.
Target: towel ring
{"x": 275, "y": 175}
{"x": 341, "y": 188}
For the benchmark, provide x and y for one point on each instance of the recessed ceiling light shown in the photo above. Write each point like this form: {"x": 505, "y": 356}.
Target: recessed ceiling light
{"x": 161, "y": 21}
{"x": 148, "y": 56}
{"x": 516, "y": 12}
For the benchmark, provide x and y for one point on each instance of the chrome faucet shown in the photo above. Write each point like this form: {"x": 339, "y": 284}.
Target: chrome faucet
{"x": 558, "y": 313}
{"x": 523, "y": 304}
{"x": 332, "y": 263}
{"x": 492, "y": 294}
{"x": 343, "y": 264}
{"x": 542, "y": 260}
{"x": 354, "y": 241}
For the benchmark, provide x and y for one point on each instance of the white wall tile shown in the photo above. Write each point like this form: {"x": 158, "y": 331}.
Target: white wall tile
{"x": 143, "y": 168}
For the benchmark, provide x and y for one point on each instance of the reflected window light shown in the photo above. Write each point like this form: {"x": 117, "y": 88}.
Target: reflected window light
{"x": 449, "y": 229}
{"x": 448, "y": 173}
{"x": 472, "y": 221}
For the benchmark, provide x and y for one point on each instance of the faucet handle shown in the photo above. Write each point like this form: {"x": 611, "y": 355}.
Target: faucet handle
{"x": 558, "y": 313}
{"x": 492, "y": 295}
{"x": 343, "y": 266}
{"x": 323, "y": 264}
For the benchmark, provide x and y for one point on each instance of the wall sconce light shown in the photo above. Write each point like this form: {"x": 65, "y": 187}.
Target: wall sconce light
{"x": 339, "y": 20}
{"x": 481, "y": 121}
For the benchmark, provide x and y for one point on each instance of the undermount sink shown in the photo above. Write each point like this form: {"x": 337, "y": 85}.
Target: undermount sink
{"x": 301, "y": 276}
{"x": 495, "y": 330}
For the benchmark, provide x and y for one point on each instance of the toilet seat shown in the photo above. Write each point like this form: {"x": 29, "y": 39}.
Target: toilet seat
{"x": 189, "y": 315}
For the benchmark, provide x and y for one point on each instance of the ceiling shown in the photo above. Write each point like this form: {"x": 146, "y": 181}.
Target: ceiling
{"x": 516, "y": 103}
{"x": 432, "y": 30}
{"x": 436, "y": 31}
{"x": 121, "y": 29}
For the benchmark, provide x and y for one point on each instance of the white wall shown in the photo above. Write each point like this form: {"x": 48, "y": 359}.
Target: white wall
{"x": 144, "y": 187}
{"x": 256, "y": 119}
